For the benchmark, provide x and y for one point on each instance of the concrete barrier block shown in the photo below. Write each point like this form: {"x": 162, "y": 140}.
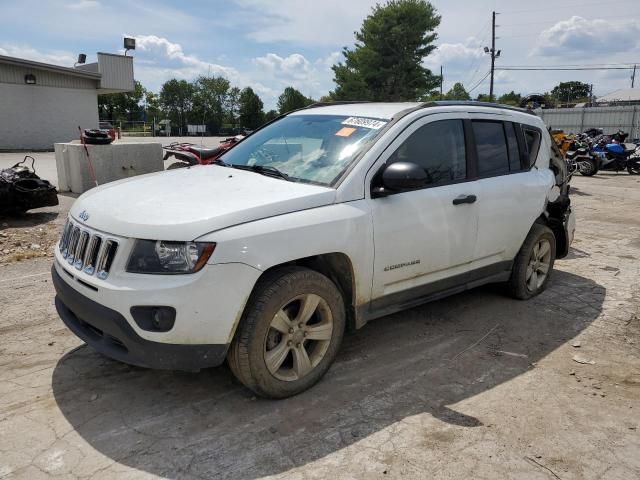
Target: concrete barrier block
{"x": 110, "y": 162}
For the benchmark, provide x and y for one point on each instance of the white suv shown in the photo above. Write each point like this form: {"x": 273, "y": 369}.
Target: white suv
{"x": 320, "y": 221}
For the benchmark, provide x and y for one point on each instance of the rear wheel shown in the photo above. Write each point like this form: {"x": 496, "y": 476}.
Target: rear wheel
{"x": 533, "y": 264}
{"x": 290, "y": 332}
{"x": 588, "y": 168}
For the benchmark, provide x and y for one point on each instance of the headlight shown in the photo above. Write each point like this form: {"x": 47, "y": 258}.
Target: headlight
{"x": 150, "y": 256}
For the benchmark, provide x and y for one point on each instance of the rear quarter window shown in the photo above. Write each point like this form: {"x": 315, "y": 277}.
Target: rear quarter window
{"x": 532, "y": 138}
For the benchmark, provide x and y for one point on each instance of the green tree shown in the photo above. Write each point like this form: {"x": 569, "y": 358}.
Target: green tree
{"x": 210, "y": 100}
{"x": 386, "y": 62}
{"x": 250, "y": 111}
{"x": 457, "y": 92}
{"x": 566, "y": 92}
{"x": 511, "y": 98}
{"x": 152, "y": 104}
{"x": 176, "y": 98}
{"x": 483, "y": 97}
{"x": 292, "y": 99}
{"x": 270, "y": 115}
{"x": 232, "y": 106}
{"x": 122, "y": 106}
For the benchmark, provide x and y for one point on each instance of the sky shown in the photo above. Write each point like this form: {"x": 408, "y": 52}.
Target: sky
{"x": 271, "y": 44}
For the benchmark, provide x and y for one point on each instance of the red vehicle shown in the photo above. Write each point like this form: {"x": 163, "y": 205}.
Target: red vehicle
{"x": 189, "y": 154}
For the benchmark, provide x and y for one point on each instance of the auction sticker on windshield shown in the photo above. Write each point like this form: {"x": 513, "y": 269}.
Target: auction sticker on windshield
{"x": 364, "y": 122}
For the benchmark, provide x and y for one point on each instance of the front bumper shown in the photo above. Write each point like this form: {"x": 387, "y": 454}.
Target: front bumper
{"x": 109, "y": 333}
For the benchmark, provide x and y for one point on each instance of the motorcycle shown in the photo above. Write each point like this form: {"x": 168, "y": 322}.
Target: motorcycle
{"x": 189, "y": 154}
{"x": 614, "y": 155}
{"x": 576, "y": 153}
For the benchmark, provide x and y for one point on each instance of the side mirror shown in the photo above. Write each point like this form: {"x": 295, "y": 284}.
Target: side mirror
{"x": 400, "y": 177}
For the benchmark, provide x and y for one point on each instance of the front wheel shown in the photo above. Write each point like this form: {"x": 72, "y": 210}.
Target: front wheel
{"x": 633, "y": 166}
{"x": 289, "y": 334}
{"x": 533, "y": 264}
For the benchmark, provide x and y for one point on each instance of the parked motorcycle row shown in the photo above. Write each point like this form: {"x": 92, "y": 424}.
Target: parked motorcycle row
{"x": 592, "y": 151}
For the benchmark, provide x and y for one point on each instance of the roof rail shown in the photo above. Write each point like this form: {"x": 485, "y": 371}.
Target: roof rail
{"x": 473, "y": 103}
{"x": 338, "y": 102}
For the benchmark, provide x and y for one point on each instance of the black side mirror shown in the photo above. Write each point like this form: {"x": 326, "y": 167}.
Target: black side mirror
{"x": 400, "y": 177}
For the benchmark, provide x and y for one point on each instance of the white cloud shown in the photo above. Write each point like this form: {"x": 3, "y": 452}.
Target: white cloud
{"x": 83, "y": 5}
{"x": 579, "y": 37}
{"x": 318, "y": 23}
{"x": 56, "y": 57}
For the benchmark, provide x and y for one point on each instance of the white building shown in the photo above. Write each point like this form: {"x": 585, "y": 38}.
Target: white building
{"x": 41, "y": 103}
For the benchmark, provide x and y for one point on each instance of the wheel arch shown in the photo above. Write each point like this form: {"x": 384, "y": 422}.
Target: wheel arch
{"x": 559, "y": 232}
{"x": 336, "y": 266}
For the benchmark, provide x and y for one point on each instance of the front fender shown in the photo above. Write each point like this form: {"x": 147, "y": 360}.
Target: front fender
{"x": 338, "y": 228}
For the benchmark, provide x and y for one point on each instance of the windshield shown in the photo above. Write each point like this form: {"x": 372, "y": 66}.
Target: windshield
{"x": 308, "y": 148}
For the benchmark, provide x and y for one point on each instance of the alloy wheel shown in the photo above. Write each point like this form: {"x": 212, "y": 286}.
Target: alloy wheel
{"x": 538, "y": 267}
{"x": 298, "y": 337}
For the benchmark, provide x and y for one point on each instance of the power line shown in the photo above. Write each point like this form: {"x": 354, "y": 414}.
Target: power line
{"x": 613, "y": 4}
{"x": 550, "y": 69}
{"x": 479, "y": 83}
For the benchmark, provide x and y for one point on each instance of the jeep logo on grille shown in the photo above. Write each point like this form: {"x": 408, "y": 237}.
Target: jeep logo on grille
{"x": 84, "y": 216}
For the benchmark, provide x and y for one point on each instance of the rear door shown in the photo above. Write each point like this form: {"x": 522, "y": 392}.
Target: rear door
{"x": 512, "y": 191}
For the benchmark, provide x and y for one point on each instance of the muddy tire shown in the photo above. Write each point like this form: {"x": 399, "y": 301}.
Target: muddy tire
{"x": 289, "y": 334}
{"x": 175, "y": 165}
{"x": 533, "y": 265}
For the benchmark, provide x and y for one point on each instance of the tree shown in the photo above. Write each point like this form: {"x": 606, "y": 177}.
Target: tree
{"x": 250, "y": 111}
{"x": 565, "y": 92}
{"x": 152, "y": 105}
{"x": 292, "y": 99}
{"x": 210, "y": 101}
{"x": 386, "y": 63}
{"x": 270, "y": 115}
{"x": 122, "y": 106}
{"x": 457, "y": 92}
{"x": 233, "y": 105}
{"x": 483, "y": 97}
{"x": 511, "y": 98}
{"x": 176, "y": 97}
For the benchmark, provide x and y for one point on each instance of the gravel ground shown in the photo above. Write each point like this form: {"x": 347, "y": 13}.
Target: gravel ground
{"x": 474, "y": 386}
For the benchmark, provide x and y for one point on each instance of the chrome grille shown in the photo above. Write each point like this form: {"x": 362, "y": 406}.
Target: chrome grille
{"x": 87, "y": 251}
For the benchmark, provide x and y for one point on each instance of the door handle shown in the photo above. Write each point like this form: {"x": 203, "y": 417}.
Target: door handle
{"x": 464, "y": 199}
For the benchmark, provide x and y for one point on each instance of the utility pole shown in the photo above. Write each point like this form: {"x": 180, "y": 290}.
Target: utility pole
{"x": 441, "y": 81}
{"x": 633, "y": 76}
{"x": 494, "y": 54}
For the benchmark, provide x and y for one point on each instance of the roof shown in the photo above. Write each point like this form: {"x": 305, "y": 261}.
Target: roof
{"x": 359, "y": 109}
{"x": 390, "y": 109}
{"x": 21, "y": 62}
{"x": 623, "y": 95}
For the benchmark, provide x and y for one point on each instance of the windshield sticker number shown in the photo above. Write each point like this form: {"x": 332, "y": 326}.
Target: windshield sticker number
{"x": 345, "y": 131}
{"x": 364, "y": 122}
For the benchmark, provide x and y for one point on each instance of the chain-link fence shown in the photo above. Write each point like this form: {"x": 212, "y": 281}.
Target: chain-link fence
{"x": 610, "y": 119}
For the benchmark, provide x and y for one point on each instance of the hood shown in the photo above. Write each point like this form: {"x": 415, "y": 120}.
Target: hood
{"x": 186, "y": 203}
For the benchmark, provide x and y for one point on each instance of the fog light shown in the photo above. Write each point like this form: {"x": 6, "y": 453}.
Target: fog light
{"x": 154, "y": 319}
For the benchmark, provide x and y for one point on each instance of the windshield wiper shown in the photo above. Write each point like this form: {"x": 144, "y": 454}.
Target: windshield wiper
{"x": 262, "y": 169}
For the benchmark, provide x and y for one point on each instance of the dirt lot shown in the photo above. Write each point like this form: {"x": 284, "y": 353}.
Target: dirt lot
{"x": 473, "y": 386}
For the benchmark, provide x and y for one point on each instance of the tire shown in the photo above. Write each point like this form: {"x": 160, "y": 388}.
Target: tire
{"x": 268, "y": 359}
{"x": 633, "y": 166}
{"x": 173, "y": 166}
{"x": 522, "y": 285}
{"x": 588, "y": 168}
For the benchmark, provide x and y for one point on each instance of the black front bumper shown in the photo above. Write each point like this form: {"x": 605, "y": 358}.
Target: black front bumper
{"x": 109, "y": 333}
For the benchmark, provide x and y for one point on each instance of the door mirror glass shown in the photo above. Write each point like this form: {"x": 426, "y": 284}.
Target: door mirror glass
{"x": 400, "y": 177}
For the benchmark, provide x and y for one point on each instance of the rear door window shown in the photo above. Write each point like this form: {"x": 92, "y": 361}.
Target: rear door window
{"x": 491, "y": 145}
{"x": 512, "y": 143}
